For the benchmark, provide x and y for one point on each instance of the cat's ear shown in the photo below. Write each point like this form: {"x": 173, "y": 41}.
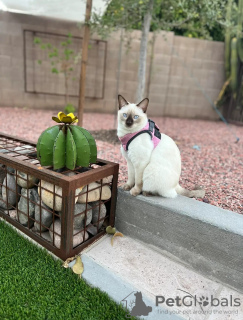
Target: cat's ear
{"x": 122, "y": 101}
{"x": 143, "y": 104}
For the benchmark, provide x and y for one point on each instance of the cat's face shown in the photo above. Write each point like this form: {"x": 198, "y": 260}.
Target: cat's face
{"x": 131, "y": 116}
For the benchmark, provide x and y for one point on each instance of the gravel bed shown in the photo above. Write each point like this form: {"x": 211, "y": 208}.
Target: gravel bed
{"x": 210, "y": 156}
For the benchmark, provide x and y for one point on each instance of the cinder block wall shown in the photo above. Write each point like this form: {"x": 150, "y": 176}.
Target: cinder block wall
{"x": 170, "y": 62}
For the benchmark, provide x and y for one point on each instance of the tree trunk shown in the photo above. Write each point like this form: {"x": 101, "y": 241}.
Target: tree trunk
{"x": 66, "y": 89}
{"x": 143, "y": 52}
{"x": 84, "y": 62}
{"x": 118, "y": 78}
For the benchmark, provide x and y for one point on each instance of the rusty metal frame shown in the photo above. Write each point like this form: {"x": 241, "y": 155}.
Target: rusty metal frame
{"x": 61, "y": 35}
{"x": 68, "y": 184}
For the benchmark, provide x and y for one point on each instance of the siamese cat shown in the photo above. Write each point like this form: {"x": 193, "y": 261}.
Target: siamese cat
{"x": 153, "y": 159}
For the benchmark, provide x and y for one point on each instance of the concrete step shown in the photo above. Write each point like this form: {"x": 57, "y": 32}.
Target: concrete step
{"x": 203, "y": 237}
{"x": 130, "y": 266}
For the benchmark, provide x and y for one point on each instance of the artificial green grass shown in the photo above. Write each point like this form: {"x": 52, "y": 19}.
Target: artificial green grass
{"x": 35, "y": 286}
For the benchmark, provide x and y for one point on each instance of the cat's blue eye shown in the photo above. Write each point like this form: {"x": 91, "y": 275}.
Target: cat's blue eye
{"x": 136, "y": 117}
{"x": 124, "y": 115}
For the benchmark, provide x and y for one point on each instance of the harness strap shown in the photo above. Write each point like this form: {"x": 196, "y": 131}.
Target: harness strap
{"x": 152, "y": 129}
{"x": 137, "y": 134}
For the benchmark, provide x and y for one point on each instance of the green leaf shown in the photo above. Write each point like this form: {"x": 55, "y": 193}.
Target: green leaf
{"x": 71, "y": 152}
{"x": 54, "y": 70}
{"x": 78, "y": 267}
{"x": 82, "y": 145}
{"x": 69, "y": 108}
{"x": 64, "y": 43}
{"x": 110, "y": 230}
{"x": 43, "y": 46}
{"x": 37, "y": 40}
{"x": 59, "y": 151}
{"x": 39, "y": 62}
{"x": 45, "y": 145}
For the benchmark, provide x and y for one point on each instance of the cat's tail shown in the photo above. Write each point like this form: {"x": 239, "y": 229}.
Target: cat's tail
{"x": 198, "y": 192}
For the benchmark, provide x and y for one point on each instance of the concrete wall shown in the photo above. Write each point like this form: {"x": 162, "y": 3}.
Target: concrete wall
{"x": 170, "y": 62}
{"x": 203, "y": 237}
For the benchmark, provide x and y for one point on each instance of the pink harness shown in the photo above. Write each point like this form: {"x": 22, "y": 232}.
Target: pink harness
{"x": 150, "y": 128}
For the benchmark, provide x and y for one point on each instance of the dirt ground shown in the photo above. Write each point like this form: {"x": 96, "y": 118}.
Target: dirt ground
{"x": 210, "y": 156}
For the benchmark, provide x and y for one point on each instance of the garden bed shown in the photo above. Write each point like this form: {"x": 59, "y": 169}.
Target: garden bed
{"x": 63, "y": 211}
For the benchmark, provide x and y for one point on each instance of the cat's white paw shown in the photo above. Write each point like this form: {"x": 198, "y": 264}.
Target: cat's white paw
{"x": 126, "y": 187}
{"x": 135, "y": 191}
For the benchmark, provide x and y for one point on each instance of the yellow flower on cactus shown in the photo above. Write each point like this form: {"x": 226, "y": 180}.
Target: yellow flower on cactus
{"x": 65, "y": 118}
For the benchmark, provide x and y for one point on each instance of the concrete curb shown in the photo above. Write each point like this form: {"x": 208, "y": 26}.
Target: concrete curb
{"x": 117, "y": 288}
{"x": 204, "y": 237}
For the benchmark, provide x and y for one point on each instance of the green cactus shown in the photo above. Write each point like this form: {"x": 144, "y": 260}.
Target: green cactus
{"x": 66, "y": 145}
{"x": 240, "y": 31}
{"x": 234, "y": 67}
{"x": 228, "y": 40}
{"x": 233, "y": 52}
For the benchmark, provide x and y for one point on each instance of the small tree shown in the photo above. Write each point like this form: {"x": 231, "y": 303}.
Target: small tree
{"x": 157, "y": 15}
{"x": 62, "y": 61}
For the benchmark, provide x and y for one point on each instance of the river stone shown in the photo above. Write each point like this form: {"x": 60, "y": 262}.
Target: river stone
{"x": 47, "y": 196}
{"x": 11, "y": 213}
{"x": 3, "y": 147}
{"x": 78, "y": 222}
{"x": 11, "y": 194}
{"x": 106, "y": 180}
{"x": 69, "y": 174}
{"x": 25, "y": 149}
{"x": 4, "y": 150}
{"x": 23, "y": 182}
{"x": 46, "y": 217}
{"x": 10, "y": 170}
{"x": 77, "y": 239}
{"x": 2, "y": 177}
{"x": 92, "y": 229}
{"x": 95, "y": 208}
{"x": 22, "y": 177}
{"x": 24, "y": 205}
{"x": 94, "y": 195}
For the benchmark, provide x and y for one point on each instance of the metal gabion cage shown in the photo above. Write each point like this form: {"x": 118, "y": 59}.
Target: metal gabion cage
{"x": 63, "y": 211}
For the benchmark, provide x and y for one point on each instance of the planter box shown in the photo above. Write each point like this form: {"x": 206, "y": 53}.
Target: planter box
{"x": 63, "y": 211}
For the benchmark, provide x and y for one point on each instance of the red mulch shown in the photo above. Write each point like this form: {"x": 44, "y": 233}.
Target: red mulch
{"x": 218, "y": 165}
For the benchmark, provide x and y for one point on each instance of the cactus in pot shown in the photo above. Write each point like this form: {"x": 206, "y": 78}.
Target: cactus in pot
{"x": 66, "y": 145}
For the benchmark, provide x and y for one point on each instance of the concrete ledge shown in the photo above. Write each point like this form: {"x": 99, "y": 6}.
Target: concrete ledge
{"x": 118, "y": 288}
{"x": 204, "y": 237}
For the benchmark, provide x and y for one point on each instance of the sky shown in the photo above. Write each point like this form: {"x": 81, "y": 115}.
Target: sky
{"x": 73, "y": 10}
